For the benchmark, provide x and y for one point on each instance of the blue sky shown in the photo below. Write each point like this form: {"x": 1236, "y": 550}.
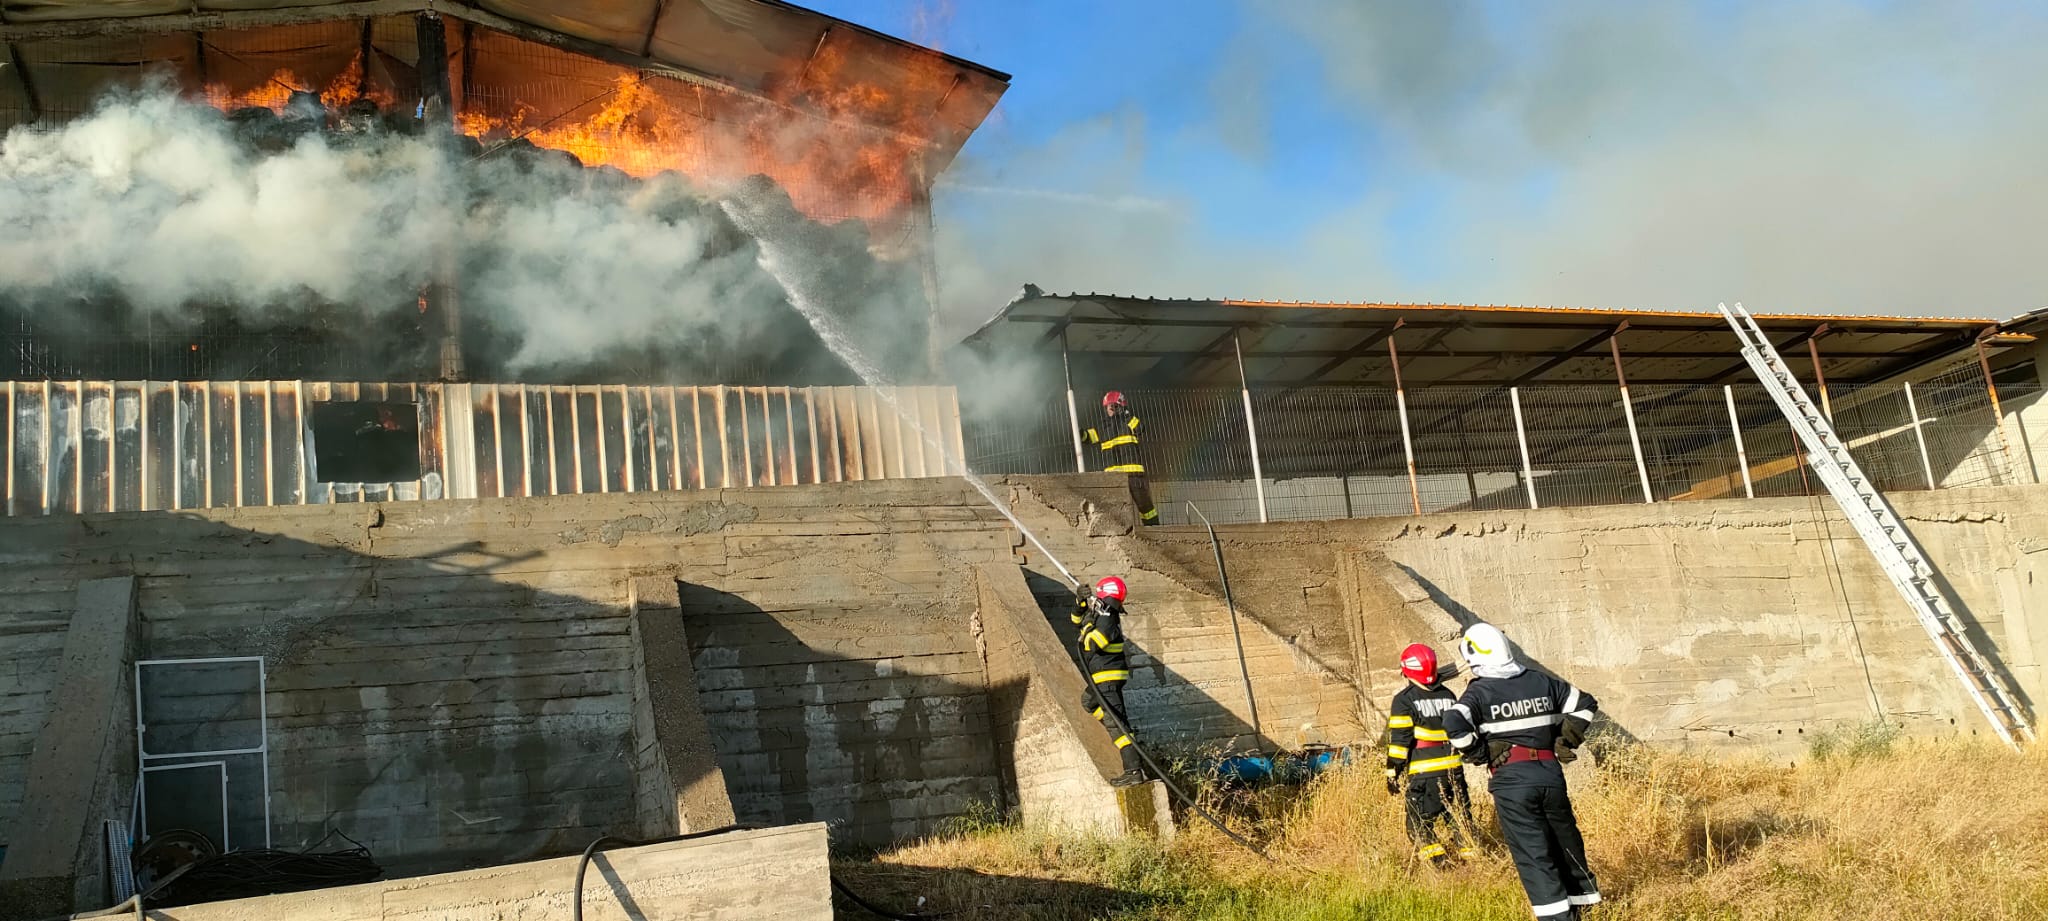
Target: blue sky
{"x": 1833, "y": 154}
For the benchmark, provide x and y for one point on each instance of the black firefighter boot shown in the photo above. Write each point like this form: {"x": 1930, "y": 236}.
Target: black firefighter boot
{"x": 1134, "y": 773}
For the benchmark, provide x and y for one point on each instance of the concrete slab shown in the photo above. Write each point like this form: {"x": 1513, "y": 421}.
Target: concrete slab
{"x": 82, "y": 769}
{"x": 775, "y": 874}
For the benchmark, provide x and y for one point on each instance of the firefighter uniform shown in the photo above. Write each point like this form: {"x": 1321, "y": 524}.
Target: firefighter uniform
{"x": 1522, "y": 723}
{"x": 1107, "y": 666}
{"x": 1419, "y": 749}
{"x": 1118, "y": 442}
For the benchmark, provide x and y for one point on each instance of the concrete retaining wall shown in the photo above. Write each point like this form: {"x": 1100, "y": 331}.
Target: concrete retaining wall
{"x": 463, "y": 683}
{"x": 1734, "y": 622}
{"x": 777, "y": 874}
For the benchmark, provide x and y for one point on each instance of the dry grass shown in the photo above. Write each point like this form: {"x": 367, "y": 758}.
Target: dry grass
{"x": 1877, "y": 829}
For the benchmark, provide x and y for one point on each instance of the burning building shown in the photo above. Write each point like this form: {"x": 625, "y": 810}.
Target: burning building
{"x": 476, "y": 214}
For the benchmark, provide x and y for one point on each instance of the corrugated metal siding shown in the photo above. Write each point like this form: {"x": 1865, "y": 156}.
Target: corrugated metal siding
{"x": 96, "y": 446}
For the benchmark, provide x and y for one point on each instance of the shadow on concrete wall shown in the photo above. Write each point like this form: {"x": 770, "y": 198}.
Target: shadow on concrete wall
{"x": 1604, "y": 725}
{"x": 1198, "y": 723}
{"x": 875, "y": 744}
{"x": 443, "y": 716}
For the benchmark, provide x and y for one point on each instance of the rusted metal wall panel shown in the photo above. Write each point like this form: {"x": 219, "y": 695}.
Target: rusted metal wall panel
{"x": 95, "y": 446}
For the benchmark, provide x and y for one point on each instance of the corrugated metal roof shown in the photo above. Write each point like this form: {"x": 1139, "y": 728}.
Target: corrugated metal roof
{"x": 1187, "y": 341}
{"x": 764, "y": 49}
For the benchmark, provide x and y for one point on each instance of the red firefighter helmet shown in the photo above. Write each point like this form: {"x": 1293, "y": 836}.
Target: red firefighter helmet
{"x": 1111, "y": 587}
{"x": 1418, "y": 664}
{"x": 1113, "y": 402}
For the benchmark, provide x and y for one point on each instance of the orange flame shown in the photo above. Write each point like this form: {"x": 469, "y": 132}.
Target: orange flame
{"x": 276, "y": 91}
{"x": 822, "y": 147}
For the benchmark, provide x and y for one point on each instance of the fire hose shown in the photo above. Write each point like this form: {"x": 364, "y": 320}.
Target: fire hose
{"x": 1160, "y": 774}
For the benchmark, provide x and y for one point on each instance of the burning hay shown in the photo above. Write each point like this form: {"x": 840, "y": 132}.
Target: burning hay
{"x": 327, "y": 214}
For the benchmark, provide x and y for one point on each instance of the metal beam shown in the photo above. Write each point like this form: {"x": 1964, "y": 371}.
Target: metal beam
{"x": 1703, "y": 327}
{"x": 1357, "y": 351}
{"x": 653, "y": 22}
{"x": 1742, "y": 365}
{"x": 209, "y": 21}
{"x": 1172, "y": 363}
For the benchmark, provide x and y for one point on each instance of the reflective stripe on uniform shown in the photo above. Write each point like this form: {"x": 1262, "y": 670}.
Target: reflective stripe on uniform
{"x": 1464, "y": 741}
{"x": 1112, "y": 674}
{"x": 1461, "y": 708}
{"x": 1125, "y": 468}
{"x": 1427, "y": 734}
{"x": 1593, "y": 899}
{"x": 1430, "y": 851}
{"x": 1150, "y": 514}
{"x": 1571, "y": 701}
{"x": 1123, "y": 741}
{"x": 1119, "y": 441}
{"x": 1098, "y": 713}
{"x": 1092, "y": 437}
{"x": 1113, "y": 647}
{"x": 1432, "y": 765}
{"x": 1397, "y": 751}
{"x": 1095, "y": 638}
{"x": 1133, "y": 424}
{"x": 1527, "y": 722}
{"x": 1552, "y": 908}
{"x": 1400, "y": 722}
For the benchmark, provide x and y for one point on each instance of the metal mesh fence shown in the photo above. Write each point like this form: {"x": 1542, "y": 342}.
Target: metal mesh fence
{"x": 1340, "y": 452}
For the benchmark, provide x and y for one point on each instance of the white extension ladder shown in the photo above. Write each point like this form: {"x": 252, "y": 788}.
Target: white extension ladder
{"x": 1896, "y": 552}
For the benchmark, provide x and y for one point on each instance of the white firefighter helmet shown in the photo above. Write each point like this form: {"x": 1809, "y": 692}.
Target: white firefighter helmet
{"x": 1484, "y": 646}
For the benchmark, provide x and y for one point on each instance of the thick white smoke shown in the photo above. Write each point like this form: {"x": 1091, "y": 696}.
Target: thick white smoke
{"x": 164, "y": 203}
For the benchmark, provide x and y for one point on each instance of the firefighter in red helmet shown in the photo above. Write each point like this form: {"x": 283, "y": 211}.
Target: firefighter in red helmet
{"x": 1118, "y": 441}
{"x": 1419, "y": 751}
{"x": 1100, "y": 615}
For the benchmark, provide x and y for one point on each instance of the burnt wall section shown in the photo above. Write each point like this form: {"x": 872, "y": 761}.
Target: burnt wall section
{"x": 116, "y": 446}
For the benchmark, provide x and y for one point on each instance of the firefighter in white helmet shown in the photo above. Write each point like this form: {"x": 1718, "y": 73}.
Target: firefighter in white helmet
{"x": 1100, "y": 615}
{"x": 1522, "y": 723}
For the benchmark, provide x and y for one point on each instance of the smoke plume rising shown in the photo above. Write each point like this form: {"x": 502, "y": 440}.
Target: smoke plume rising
{"x": 166, "y": 207}
{"x": 1837, "y": 156}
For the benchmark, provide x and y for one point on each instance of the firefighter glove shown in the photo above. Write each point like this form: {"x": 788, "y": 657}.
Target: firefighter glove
{"x": 1393, "y": 782}
{"x": 1572, "y": 734}
{"x": 1564, "y": 753}
{"x": 1497, "y": 753}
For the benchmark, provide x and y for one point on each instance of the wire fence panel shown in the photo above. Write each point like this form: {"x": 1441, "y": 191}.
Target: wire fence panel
{"x": 1579, "y": 446}
{"x": 1028, "y": 437}
{"x": 1332, "y": 453}
{"x": 1195, "y": 448}
{"x": 1688, "y": 441}
{"x": 1467, "y": 455}
{"x": 1876, "y": 424}
{"x": 1964, "y": 442}
{"x": 1338, "y": 452}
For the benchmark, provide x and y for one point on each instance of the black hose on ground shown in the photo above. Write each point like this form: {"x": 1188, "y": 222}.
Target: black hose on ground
{"x": 1179, "y": 794}
{"x": 583, "y": 863}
